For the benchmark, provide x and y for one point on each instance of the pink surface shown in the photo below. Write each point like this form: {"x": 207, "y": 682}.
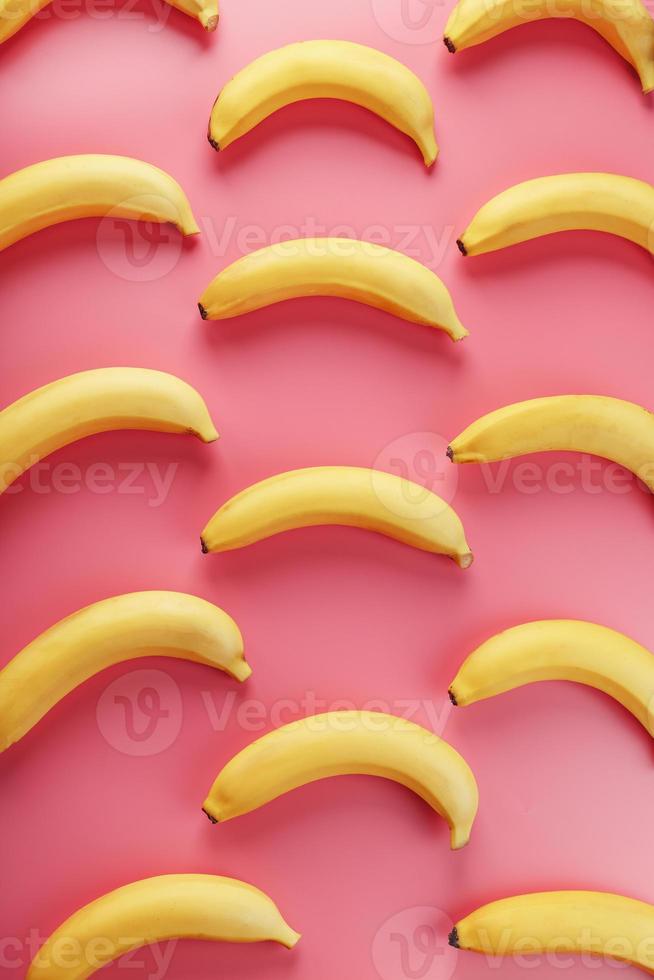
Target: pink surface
{"x": 565, "y": 774}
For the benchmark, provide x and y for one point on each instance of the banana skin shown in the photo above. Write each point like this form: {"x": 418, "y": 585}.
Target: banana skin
{"x": 91, "y": 402}
{"x": 609, "y": 203}
{"x": 355, "y": 270}
{"x": 89, "y": 186}
{"x": 598, "y": 923}
{"x": 343, "y": 743}
{"x": 561, "y": 649}
{"x": 344, "y": 495}
{"x": 113, "y": 631}
{"x": 183, "y": 906}
{"x": 325, "y": 70}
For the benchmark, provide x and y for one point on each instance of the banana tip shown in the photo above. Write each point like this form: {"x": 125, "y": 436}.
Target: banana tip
{"x": 214, "y": 143}
{"x": 453, "y": 938}
{"x": 203, "y": 312}
{"x": 465, "y": 561}
{"x": 451, "y": 47}
{"x": 241, "y": 670}
{"x": 450, "y": 454}
{"x": 452, "y": 697}
{"x": 204, "y": 546}
{"x": 211, "y": 23}
{"x": 207, "y": 814}
{"x": 461, "y": 247}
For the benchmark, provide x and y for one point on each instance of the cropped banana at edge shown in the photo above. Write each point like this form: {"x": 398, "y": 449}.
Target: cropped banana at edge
{"x": 89, "y": 186}
{"x": 185, "y": 906}
{"x": 610, "y": 203}
{"x": 344, "y": 495}
{"x": 563, "y": 921}
{"x": 15, "y": 14}
{"x": 596, "y": 424}
{"x": 84, "y": 404}
{"x": 127, "y": 627}
{"x": 325, "y": 70}
{"x": 627, "y": 26}
{"x": 341, "y": 743}
{"x": 343, "y": 267}
{"x": 561, "y": 649}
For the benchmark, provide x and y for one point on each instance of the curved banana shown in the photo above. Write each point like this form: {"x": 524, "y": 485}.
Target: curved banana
{"x": 627, "y": 26}
{"x": 609, "y": 203}
{"x": 565, "y": 922}
{"x": 89, "y": 186}
{"x": 96, "y": 401}
{"x": 186, "y": 906}
{"x": 325, "y": 70}
{"x": 341, "y": 743}
{"x": 345, "y": 495}
{"x": 356, "y": 270}
{"x": 566, "y": 650}
{"x": 15, "y": 14}
{"x": 594, "y": 424}
{"x": 142, "y": 624}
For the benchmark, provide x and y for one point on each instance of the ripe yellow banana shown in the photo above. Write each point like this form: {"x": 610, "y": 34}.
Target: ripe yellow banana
{"x": 96, "y": 401}
{"x": 341, "y": 743}
{"x": 565, "y": 922}
{"x": 346, "y": 495}
{"x": 356, "y": 270}
{"x": 15, "y": 14}
{"x": 186, "y": 906}
{"x": 608, "y": 427}
{"x": 325, "y": 70}
{"x": 142, "y": 624}
{"x": 566, "y": 650}
{"x": 625, "y": 24}
{"x": 609, "y": 203}
{"x": 89, "y": 186}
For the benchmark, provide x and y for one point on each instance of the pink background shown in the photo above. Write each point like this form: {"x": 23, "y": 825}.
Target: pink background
{"x": 565, "y": 774}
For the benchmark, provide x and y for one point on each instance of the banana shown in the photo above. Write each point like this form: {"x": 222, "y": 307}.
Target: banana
{"x": 15, "y": 14}
{"x": 356, "y": 270}
{"x": 566, "y": 650}
{"x": 564, "y": 922}
{"x": 143, "y": 624}
{"x": 345, "y": 495}
{"x": 89, "y": 186}
{"x": 325, "y": 70}
{"x": 341, "y": 743}
{"x": 609, "y": 203}
{"x": 594, "y": 424}
{"x": 625, "y": 24}
{"x": 96, "y": 401}
{"x": 186, "y": 906}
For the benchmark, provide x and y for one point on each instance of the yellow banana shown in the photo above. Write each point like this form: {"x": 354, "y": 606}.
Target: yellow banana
{"x": 15, "y": 14}
{"x": 566, "y": 650}
{"x": 625, "y": 24}
{"x": 89, "y": 186}
{"x": 356, "y": 270}
{"x": 595, "y": 424}
{"x": 96, "y": 401}
{"x": 186, "y": 906}
{"x": 142, "y": 624}
{"x": 564, "y": 922}
{"x": 341, "y": 743}
{"x": 325, "y": 70}
{"x": 609, "y": 203}
{"x": 346, "y": 495}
